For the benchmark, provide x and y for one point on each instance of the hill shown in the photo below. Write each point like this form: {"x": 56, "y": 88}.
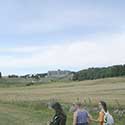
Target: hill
{"x": 96, "y": 73}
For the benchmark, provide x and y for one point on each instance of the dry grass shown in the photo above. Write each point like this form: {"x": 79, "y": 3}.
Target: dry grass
{"x": 107, "y": 89}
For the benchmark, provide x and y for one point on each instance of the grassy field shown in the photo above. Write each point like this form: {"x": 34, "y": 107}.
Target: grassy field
{"x": 26, "y": 105}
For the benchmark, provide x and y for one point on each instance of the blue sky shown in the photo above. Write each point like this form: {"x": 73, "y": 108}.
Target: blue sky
{"x": 41, "y": 35}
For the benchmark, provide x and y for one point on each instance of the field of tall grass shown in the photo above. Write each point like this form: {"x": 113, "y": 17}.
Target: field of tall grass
{"x": 27, "y": 105}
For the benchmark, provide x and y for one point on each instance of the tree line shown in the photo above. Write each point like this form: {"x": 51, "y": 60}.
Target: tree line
{"x": 104, "y": 72}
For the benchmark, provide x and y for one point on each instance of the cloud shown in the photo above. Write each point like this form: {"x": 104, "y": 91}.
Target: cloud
{"x": 80, "y": 54}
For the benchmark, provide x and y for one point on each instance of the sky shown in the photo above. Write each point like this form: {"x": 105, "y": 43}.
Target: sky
{"x": 41, "y": 35}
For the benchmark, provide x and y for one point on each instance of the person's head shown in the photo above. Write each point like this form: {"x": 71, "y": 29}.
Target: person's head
{"x": 102, "y": 105}
{"x": 78, "y": 105}
{"x": 57, "y": 107}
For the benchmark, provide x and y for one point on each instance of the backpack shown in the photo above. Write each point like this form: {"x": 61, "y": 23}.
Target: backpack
{"x": 59, "y": 119}
{"x": 108, "y": 119}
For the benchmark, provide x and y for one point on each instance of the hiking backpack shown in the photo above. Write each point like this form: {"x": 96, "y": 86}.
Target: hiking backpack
{"x": 108, "y": 119}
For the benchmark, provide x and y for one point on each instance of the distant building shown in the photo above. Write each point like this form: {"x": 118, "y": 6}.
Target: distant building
{"x": 58, "y": 73}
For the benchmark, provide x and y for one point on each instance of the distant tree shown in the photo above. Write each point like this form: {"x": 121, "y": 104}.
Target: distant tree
{"x": 13, "y": 76}
{"x": 95, "y": 73}
{"x": 0, "y": 75}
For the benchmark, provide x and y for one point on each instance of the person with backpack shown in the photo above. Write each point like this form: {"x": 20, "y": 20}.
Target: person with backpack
{"x": 81, "y": 116}
{"x": 104, "y": 116}
{"x": 59, "y": 117}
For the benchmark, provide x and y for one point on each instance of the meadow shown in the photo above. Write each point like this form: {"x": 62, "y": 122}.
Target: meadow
{"x": 27, "y": 105}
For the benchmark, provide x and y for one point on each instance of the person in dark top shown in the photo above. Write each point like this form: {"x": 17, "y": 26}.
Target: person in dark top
{"x": 59, "y": 117}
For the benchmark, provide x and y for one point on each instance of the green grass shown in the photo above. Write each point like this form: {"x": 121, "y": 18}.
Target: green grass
{"x": 22, "y": 105}
{"x": 32, "y": 113}
{"x": 21, "y": 115}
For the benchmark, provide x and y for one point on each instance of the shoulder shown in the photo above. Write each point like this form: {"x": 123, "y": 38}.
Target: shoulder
{"x": 87, "y": 113}
{"x": 101, "y": 113}
{"x": 84, "y": 110}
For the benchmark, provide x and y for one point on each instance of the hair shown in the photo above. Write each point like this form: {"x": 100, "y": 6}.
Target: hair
{"x": 79, "y": 104}
{"x": 57, "y": 107}
{"x": 104, "y": 105}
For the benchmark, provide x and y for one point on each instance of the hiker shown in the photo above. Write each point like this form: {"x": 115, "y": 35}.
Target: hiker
{"x": 81, "y": 116}
{"x": 104, "y": 117}
{"x": 59, "y": 117}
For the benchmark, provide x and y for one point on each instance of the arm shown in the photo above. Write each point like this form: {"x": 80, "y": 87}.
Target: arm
{"x": 63, "y": 120}
{"x": 75, "y": 118}
{"x": 89, "y": 117}
{"x": 95, "y": 120}
{"x": 100, "y": 119}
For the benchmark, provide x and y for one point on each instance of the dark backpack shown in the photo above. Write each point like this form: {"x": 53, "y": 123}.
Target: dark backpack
{"x": 59, "y": 119}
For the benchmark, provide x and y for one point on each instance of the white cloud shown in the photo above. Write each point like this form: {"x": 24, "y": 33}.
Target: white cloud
{"x": 81, "y": 54}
